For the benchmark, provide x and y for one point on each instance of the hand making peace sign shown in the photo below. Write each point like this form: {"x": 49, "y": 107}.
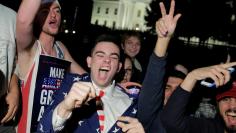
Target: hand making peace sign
{"x": 166, "y": 25}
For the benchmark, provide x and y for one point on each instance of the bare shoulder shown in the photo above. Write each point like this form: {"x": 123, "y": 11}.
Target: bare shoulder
{"x": 63, "y": 47}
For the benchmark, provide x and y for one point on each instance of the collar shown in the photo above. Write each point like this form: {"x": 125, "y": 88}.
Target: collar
{"x": 109, "y": 90}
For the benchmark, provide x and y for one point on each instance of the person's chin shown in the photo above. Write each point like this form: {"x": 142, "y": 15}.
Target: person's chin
{"x": 231, "y": 128}
{"x": 54, "y": 33}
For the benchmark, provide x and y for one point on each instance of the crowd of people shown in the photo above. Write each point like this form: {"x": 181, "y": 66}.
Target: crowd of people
{"x": 43, "y": 89}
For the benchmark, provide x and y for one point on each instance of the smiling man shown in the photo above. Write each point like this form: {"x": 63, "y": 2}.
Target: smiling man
{"x": 174, "y": 118}
{"x": 93, "y": 102}
{"x": 227, "y": 107}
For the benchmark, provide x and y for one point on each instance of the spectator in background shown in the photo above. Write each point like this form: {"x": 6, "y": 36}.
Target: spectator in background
{"x": 131, "y": 44}
{"x": 124, "y": 78}
{"x": 174, "y": 118}
{"x": 206, "y": 109}
{"x": 9, "y": 90}
{"x": 126, "y": 70}
{"x": 175, "y": 77}
{"x": 38, "y": 23}
{"x": 202, "y": 102}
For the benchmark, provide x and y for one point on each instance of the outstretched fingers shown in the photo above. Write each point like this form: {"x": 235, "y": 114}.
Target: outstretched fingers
{"x": 163, "y": 9}
{"x": 176, "y": 17}
{"x": 172, "y": 8}
{"x": 227, "y": 65}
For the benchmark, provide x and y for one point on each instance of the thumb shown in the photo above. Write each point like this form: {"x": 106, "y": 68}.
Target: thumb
{"x": 176, "y": 18}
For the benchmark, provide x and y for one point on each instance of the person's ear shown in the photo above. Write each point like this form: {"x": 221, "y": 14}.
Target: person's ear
{"x": 122, "y": 46}
{"x": 89, "y": 61}
{"x": 120, "y": 65}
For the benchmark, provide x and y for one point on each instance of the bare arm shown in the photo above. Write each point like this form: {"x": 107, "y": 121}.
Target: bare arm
{"x": 165, "y": 28}
{"x": 218, "y": 73}
{"x": 24, "y": 24}
{"x": 12, "y": 99}
{"x": 151, "y": 95}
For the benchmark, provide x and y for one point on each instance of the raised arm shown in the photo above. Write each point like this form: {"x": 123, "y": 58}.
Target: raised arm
{"x": 218, "y": 73}
{"x": 165, "y": 28}
{"x": 151, "y": 95}
{"x": 174, "y": 117}
{"x": 24, "y": 24}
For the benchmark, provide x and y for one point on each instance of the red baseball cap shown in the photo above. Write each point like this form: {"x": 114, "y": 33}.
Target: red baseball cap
{"x": 227, "y": 93}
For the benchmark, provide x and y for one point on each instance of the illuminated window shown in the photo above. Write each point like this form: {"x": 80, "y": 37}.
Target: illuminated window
{"x": 98, "y": 10}
{"x": 114, "y": 24}
{"x": 96, "y": 22}
{"x": 137, "y": 27}
{"x": 107, "y": 10}
{"x": 105, "y": 23}
{"x": 115, "y": 12}
{"x": 139, "y": 13}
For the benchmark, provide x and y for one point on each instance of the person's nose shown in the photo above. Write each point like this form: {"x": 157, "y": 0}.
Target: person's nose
{"x": 107, "y": 59}
{"x": 133, "y": 45}
{"x": 53, "y": 14}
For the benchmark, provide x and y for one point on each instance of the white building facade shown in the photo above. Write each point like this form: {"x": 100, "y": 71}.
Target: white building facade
{"x": 120, "y": 14}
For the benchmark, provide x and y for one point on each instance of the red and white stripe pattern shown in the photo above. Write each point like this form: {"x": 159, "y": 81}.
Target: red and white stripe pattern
{"x": 24, "y": 126}
{"x": 100, "y": 111}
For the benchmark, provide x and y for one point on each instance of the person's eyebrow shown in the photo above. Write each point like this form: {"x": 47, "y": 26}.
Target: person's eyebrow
{"x": 98, "y": 52}
{"x": 116, "y": 54}
{"x": 57, "y": 7}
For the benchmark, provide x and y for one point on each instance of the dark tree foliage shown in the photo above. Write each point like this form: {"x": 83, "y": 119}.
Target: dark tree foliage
{"x": 153, "y": 12}
{"x": 232, "y": 29}
{"x": 201, "y": 18}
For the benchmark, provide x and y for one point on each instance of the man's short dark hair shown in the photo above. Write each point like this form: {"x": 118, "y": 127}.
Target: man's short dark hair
{"x": 109, "y": 38}
{"x": 129, "y": 34}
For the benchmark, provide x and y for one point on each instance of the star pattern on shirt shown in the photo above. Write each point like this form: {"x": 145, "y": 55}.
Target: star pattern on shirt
{"x": 134, "y": 111}
{"x": 80, "y": 123}
{"x": 116, "y": 130}
{"x": 41, "y": 128}
{"x": 52, "y": 102}
{"x": 76, "y": 78}
{"x": 98, "y": 130}
{"x": 64, "y": 93}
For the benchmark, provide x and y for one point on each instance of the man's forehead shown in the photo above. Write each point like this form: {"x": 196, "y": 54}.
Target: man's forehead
{"x": 133, "y": 38}
{"x": 49, "y": 1}
{"x": 54, "y": 2}
{"x": 175, "y": 79}
{"x": 107, "y": 47}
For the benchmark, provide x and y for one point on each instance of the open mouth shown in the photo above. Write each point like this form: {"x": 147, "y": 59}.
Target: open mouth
{"x": 231, "y": 117}
{"x": 103, "y": 73}
{"x": 232, "y": 114}
{"x": 53, "y": 23}
{"x": 103, "y": 69}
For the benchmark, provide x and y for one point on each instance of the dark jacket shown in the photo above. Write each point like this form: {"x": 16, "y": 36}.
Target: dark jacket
{"x": 175, "y": 120}
{"x": 150, "y": 101}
